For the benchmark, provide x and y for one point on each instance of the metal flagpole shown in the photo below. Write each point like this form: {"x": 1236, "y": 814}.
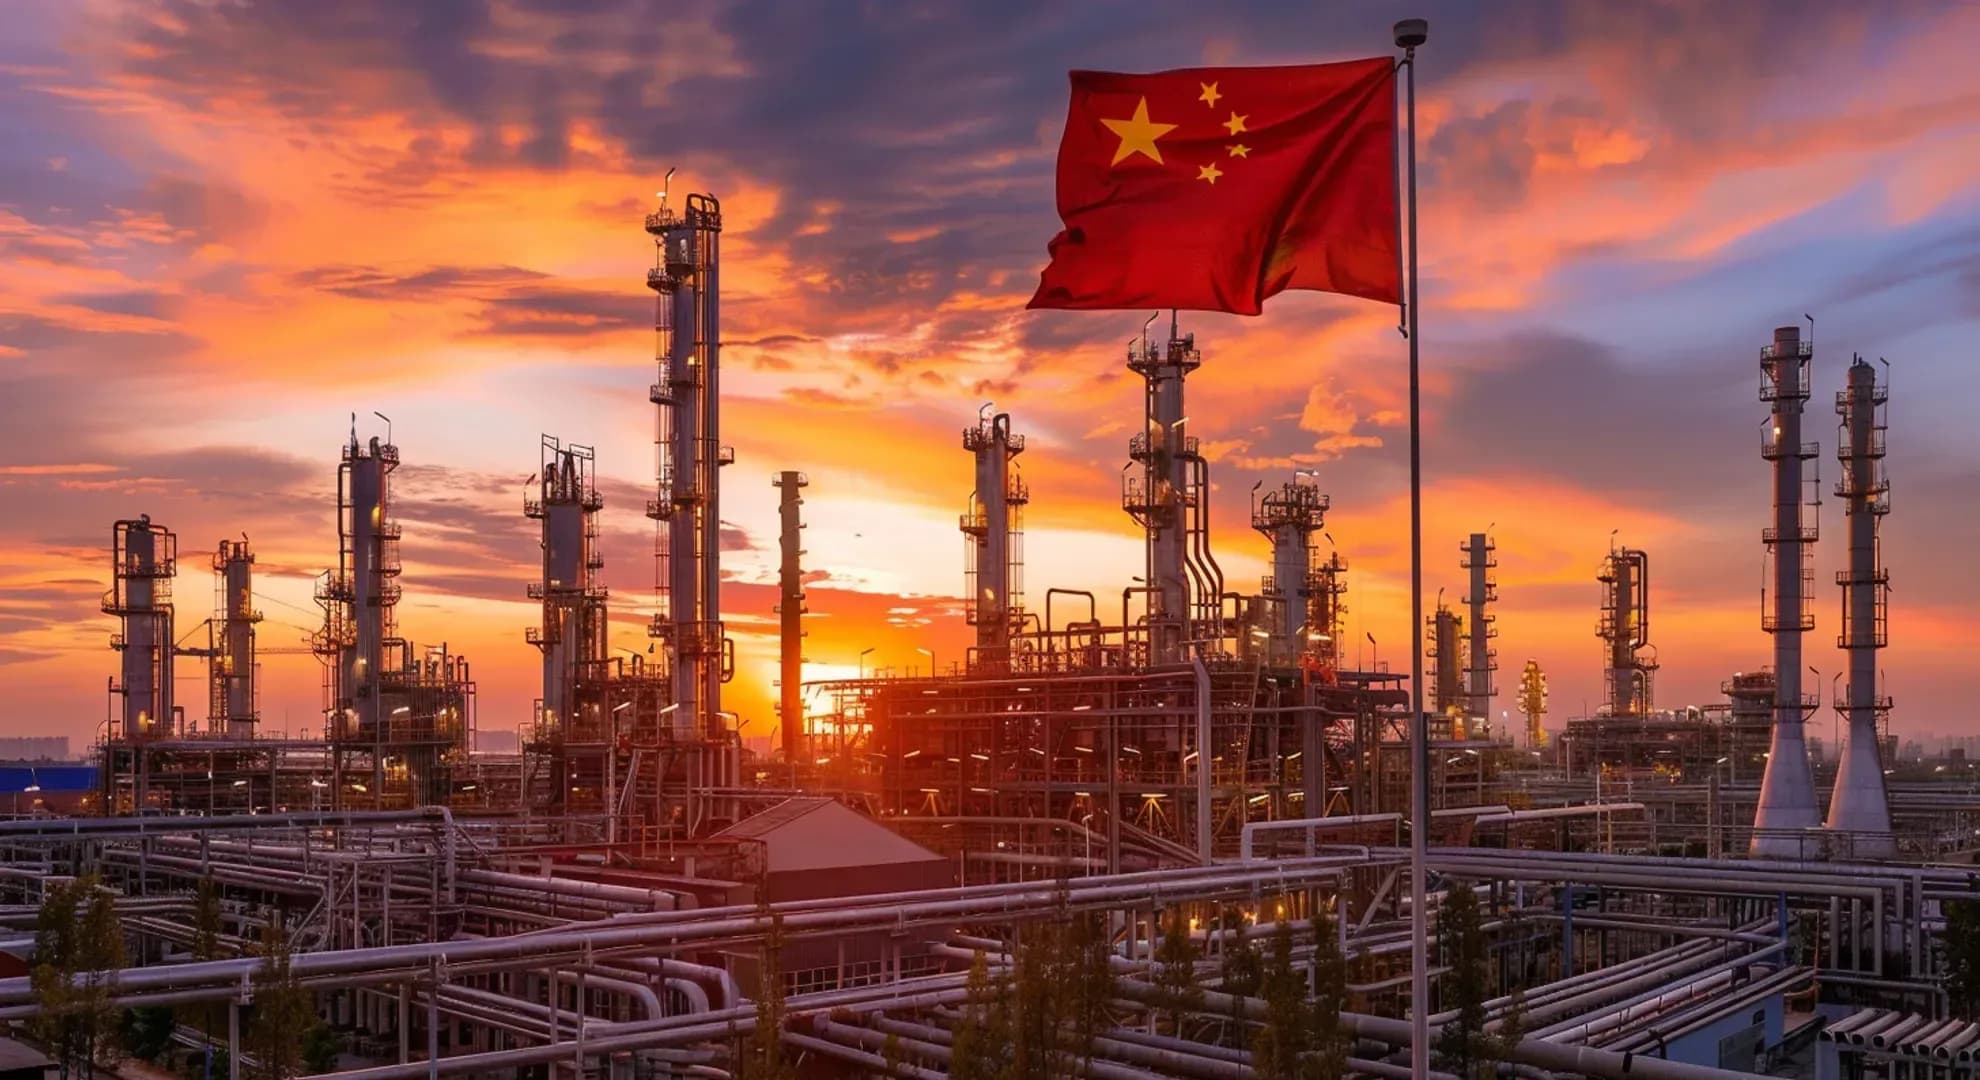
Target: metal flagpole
{"x": 1409, "y": 34}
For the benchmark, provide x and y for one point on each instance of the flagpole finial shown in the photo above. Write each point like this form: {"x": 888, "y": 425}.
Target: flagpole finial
{"x": 1412, "y": 32}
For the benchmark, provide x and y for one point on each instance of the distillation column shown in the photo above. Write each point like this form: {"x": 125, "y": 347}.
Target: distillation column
{"x": 1161, "y": 500}
{"x": 790, "y": 613}
{"x": 233, "y": 705}
{"x": 572, "y": 636}
{"x": 1479, "y": 560}
{"x": 1448, "y": 667}
{"x": 1860, "y": 805}
{"x": 370, "y": 542}
{"x": 143, "y": 559}
{"x": 1533, "y": 704}
{"x": 687, "y": 497}
{"x": 1625, "y": 630}
{"x": 1326, "y": 583}
{"x": 1787, "y": 790}
{"x": 994, "y": 527}
{"x": 1289, "y": 517}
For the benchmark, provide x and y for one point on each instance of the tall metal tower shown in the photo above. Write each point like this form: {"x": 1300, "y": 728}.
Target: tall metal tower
{"x": 686, "y": 278}
{"x": 233, "y": 707}
{"x": 1169, "y": 501}
{"x": 994, "y": 552}
{"x": 1289, "y": 516}
{"x": 360, "y": 598}
{"x": 1326, "y": 585}
{"x": 1533, "y": 704}
{"x": 1479, "y": 560}
{"x": 1447, "y": 666}
{"x": 1625, "y": 631}
{"x": 572, "y": 633}
{"x": 397, "y": 718}
{"x": 143, "y": 560}
{"x": 1860, "y": 805}
{"x": 1787, "y": 790}
{"x": 790, "y": 612}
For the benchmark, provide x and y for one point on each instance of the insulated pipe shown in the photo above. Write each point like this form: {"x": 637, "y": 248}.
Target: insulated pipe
{"x": 672, "y": 1030}
{"x": 228, "y": 973}
{"x": 1651, "y": 980}
{"x": 647, "y": 899}
{"x": 1860, "y": 1036}
{"x": 860, "y": 1057}
{"x": 1550, "y": 1056}
{"x": 1253, "y": 828}
{"x": 1958, "y": 1043}
{"x": 1890, "y": 1035}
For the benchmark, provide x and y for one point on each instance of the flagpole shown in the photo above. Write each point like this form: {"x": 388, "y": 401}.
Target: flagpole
{"x": 1409, "y": 34}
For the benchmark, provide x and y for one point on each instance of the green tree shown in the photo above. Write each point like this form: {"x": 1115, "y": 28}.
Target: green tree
{"x": 1286, "y": 1036}
{"x": 1085, "y": 980}
{"x": 320, "y": 1048}
{"x": 1175, "y": 973}
{"x": 1329, "y": 1036}
{"x": 284, "y": 1010}
{"x": 981, "y": 1049}
{"x": 762, "y": 1057}
{"x": 1959, "y": 957}
{"x": 146, "y": 1032}
{"x": 79, "y": 946}
{"x": 1464, "y": 1046}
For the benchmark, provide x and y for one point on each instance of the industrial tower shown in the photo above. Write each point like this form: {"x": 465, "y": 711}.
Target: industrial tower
{"x": 1533, "y": 704}
{"x": 572, "y": 633}
{"x": 1447, "y": 666}
{"x": 233, "y": 708}
{"x": 143, "y": 559}
{"x": 1480, "y": 560}
{"x": 1169, "y": 501}
{"x": 1625, "y": 631}
{"x": 396, "y": 718}
{"x": 1326, "y": 585}
{"x": 1859, "y": 804}
{"x": 1289, "y": 517}
{"x": 686, "y": 278}
{"x": 790, "y": 612}
{"x": 1787, "y": 790}
{"x": 994, "y": 553}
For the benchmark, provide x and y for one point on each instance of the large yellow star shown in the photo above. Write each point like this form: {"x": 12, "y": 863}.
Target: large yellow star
{"x": 1138, "y": 135}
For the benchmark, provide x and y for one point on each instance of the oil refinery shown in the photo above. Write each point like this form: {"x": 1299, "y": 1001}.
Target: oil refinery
{"x": 1195, "y": 777}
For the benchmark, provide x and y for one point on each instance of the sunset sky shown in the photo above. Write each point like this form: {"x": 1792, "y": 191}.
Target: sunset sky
{"x": 226, "y": 227}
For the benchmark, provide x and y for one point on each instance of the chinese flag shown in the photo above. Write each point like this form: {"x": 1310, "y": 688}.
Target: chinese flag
{"x": 1214, "y": 188}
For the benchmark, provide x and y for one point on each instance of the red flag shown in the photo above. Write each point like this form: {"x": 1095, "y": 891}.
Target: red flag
{"x": 1214, "y": 188}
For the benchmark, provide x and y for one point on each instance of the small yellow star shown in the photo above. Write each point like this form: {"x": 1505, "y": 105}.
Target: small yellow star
{"x": 1210, "y": 94}
{"x": 1210, "y": 173}
{"x": 1236, "y": 123}
{"x": 1240, "y": 150}
{"x": 1138, "y": 135}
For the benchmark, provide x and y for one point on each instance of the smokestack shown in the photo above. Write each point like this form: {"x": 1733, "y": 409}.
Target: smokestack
{"x": 1787, "y": 789}
{"x": 1860, "y": 805}
{"x": 790, "y": 613}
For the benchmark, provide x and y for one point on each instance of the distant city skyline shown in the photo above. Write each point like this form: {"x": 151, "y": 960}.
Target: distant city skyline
{"x": 225, "y": 229}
